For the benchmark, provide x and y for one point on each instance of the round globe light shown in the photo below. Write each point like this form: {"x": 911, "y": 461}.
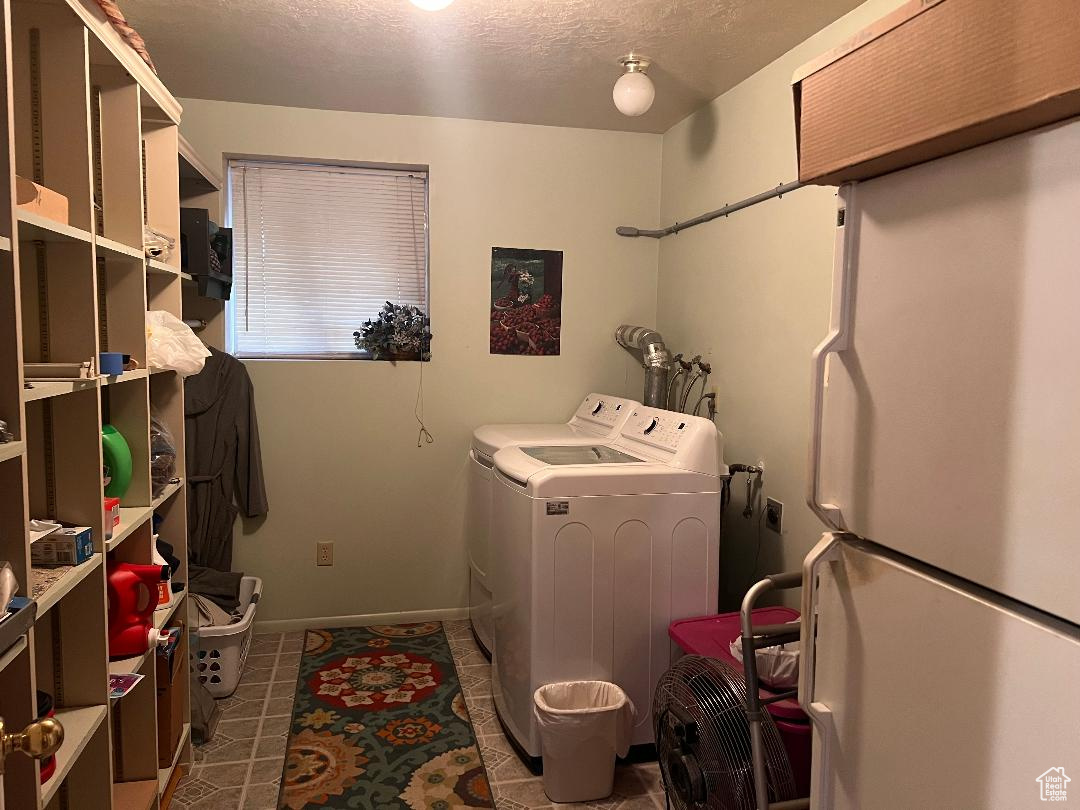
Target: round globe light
{"x": 431, "y": 5}
{"x": 633, "y": 93}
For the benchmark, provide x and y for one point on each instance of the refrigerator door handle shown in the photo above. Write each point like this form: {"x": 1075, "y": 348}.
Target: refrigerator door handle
{"x": 827, "y": 550}
{"x": 837, "y": 340}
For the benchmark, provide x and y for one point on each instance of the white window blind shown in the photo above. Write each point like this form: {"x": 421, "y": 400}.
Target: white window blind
{"x": 318, "y": 250}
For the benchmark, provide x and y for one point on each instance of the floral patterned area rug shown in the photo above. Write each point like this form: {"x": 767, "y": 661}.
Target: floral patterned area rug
{"x": 380, "y": 722}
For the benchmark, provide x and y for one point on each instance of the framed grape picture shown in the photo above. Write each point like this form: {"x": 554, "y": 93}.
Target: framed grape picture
{"x": 526, "y": 301}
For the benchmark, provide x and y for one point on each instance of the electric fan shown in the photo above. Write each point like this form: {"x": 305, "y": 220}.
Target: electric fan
{"x": 703, "y": 739}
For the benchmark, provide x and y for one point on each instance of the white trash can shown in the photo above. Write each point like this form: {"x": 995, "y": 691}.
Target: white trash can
{"x": 583, "y": 726}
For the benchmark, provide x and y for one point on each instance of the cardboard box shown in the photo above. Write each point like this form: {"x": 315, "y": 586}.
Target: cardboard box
{"x": 171, "y": 671}
{"x": 933, "y": 78}
{"x": 65, "y": 546}
{"x": 40, "y": 200}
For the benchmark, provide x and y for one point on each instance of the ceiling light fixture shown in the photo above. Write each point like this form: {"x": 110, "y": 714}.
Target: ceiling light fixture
{"x": 431, "y": 5}
{"x": 633, "y": 92}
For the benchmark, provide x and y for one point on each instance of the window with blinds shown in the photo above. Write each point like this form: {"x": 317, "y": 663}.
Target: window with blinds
{"x": 318, "y": 250}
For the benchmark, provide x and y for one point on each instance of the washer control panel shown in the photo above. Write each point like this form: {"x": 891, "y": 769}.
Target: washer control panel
{"x": 603, "y": 410}
{"x": 683, "y": 441}
{"x": 663, "y": 429}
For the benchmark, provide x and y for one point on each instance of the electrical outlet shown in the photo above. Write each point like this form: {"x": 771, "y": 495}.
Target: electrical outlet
{"x": 324, "y": 553}
{"x": 774, "y": 515}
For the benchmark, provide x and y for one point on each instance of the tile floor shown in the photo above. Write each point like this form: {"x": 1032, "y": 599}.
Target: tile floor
{"x": 637, "y": 787}
{"x": 240, "y": 769}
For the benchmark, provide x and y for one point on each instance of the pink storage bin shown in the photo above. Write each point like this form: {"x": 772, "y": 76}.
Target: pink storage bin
{"x": 711, "y": 636}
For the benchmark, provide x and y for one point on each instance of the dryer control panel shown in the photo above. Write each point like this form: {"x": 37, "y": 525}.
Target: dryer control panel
{"x": 604, "y": 411}
{"x": 678, "y": 439}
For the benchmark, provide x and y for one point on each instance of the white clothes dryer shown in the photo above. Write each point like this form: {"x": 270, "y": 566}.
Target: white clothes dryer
{"x": 598, "y": 417}
{"x": 601, "y": 546}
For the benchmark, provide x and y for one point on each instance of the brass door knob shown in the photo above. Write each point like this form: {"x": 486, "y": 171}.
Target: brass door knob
{"x": 39, "y": 739}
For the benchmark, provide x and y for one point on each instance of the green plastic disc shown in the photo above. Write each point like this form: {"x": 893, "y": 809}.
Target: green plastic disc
{"x": 114, "y": 448}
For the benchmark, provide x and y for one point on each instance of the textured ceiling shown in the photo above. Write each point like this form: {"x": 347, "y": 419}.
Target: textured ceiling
{"x": 533, "y": 61}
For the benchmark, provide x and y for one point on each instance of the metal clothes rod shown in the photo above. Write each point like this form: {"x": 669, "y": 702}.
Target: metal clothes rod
{"x": 779, "y": 191}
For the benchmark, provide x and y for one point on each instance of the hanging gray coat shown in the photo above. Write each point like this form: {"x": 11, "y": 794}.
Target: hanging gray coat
{"x": 223, "y": 458}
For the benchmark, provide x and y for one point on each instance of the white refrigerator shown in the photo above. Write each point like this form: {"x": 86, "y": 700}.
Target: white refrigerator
{"x": 941, "y": 618}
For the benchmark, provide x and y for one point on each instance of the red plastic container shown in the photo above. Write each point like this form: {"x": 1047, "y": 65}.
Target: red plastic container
{"x": 45, "y": 708}
{"x": 133, "y": 597}
{"x": 711, "y": 636}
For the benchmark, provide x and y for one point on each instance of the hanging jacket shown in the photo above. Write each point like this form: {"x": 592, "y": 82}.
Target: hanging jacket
{"x": 223, "y": 458}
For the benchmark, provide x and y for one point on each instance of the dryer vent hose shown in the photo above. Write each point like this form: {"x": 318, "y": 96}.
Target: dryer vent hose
{"x": 655, "y": 358}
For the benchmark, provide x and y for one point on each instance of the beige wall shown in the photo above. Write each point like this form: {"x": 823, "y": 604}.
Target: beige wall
{"x": 751, "y": 292}
{"x": 339, "y": 438}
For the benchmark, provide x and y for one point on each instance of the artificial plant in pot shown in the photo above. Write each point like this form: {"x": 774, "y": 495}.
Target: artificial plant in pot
{"x": 398, "y": 332}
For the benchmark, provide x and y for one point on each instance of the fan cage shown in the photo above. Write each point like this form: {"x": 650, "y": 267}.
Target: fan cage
{"x": 712, "y": 694}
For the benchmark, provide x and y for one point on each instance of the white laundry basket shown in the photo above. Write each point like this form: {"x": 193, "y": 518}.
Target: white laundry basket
{"x": 223, "y": 649}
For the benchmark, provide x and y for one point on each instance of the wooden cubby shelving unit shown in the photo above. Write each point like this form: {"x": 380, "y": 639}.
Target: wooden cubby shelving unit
{"x": 81, "y": 114}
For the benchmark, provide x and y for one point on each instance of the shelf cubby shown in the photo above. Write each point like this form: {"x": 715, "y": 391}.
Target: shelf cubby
{"x": 123, "y": 318}
{"x": 70, "y": 666}
{"x": 134, "y": 724}
{"x": 132, "y": 519}
{"x": 51, "y": 102}
{"x": 127, "y": 408}
{"x": 20, "y": 783}
{"x": 64, "y": 460}
{"x": 50, "y": 585}
{"x": 162, "y": 182}
{"x": 13, "y": 545}
{"x": 172, "y": 745}
{"x": 59, "y": 302}
{"x": 166, "y": 493}
{"x": 140, "y": 795}
{"x": 167, "y": 405}
{"x": 163, "y": 291}
{"x": 116, "y": 134}
{"x": 134, "y": 545}
{"x": 172, "y": 529}
{"x": 166, "y": 774}
{"x": 70, "y": 660}
{"x": 82, "y": 764}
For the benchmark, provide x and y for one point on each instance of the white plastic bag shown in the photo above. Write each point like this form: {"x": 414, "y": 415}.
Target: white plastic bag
{"x": 170, "y": 344}
{"x": 778, "y": 667}
{"x": 583, "y": 726}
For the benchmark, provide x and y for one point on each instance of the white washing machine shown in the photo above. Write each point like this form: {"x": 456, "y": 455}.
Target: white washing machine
{"x": 601, "y": 547}
{"x": 598, "y": 417}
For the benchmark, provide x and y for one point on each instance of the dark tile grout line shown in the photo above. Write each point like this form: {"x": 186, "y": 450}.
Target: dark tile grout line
{"x": 262, "y": 718}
